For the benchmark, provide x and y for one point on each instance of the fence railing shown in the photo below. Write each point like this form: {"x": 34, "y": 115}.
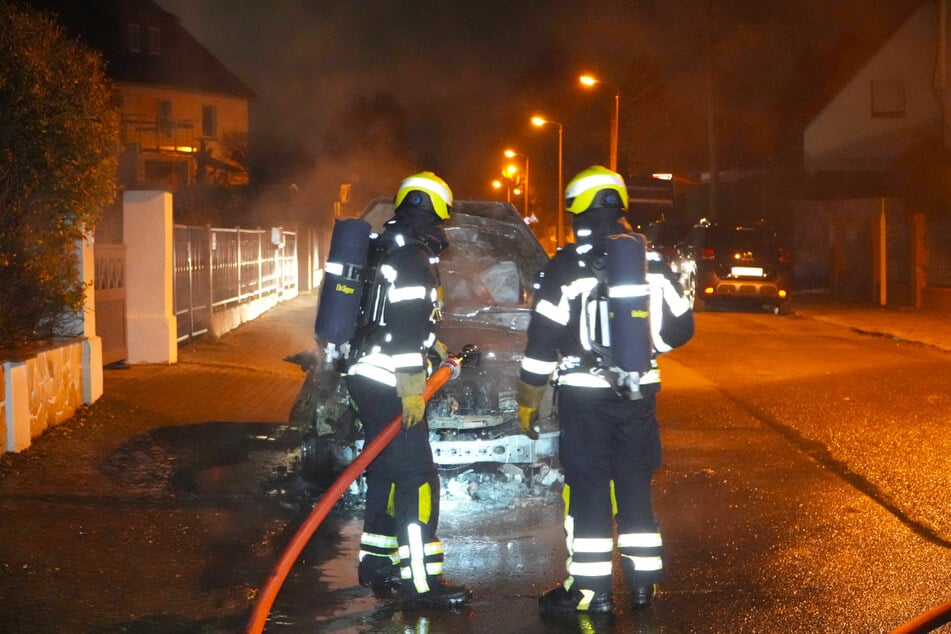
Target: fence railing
{"x": 216, "y": 268}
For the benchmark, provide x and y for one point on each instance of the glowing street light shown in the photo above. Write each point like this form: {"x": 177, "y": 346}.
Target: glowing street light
{"x": 588, "y": 80}
{"x": 560, "y": 215}
{"x": 513, "y": 154}
{"x": 497, "y": 184}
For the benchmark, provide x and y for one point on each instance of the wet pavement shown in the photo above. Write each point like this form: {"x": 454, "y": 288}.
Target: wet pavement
{"x": 145, "y": 514}
{"x": 157, "y": 508}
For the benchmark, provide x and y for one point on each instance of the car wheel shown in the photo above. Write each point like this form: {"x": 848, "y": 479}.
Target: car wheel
{"x": 690, "y": 292}
{"x": 689, "y": 289}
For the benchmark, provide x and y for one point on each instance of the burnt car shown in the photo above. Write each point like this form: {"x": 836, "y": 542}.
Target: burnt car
{"x": 487, "y": 275}
{"x": 726, "y": 265}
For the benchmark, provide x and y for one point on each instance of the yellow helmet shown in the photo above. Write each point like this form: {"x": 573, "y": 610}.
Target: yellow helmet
{"x": 586, "y": 185}
{"x": 429, "y": 183}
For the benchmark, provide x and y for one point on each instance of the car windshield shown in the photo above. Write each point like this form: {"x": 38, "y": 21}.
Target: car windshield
{"x": 491, "y": 261}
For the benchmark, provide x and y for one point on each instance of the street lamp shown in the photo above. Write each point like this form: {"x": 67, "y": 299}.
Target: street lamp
{"x": 497, "y": 184}
{"x": 560, "y": 216}
{"x": 588, "y": 80}
{"x": 513, "y": 154}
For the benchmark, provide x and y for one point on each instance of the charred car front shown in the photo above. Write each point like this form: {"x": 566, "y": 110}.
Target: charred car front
{"x": 487, "y": 275}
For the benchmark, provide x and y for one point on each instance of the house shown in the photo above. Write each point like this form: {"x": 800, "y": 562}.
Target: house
{"x": 184, "y": 114}
{"x": 829, "y": 121}
{"x": 875, "y": 157}
{"x": 184, "y": 122}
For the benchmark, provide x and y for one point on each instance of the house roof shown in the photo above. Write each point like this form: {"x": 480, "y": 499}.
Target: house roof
{"x": 776, "y": 65}
{"x": 183, "y": 62}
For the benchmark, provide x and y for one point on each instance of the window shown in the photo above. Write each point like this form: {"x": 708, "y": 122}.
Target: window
{"x": 168, "y": 173}
{"x": 888, "y": 98}
{"x": 163, "y": 117}
{"x": 155, "y": 41}
{"x": 134, "y": 34}
{"x": 209, "y": 122}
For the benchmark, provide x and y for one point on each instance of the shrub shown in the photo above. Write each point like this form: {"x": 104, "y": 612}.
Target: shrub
{"x": 59, "y": 147}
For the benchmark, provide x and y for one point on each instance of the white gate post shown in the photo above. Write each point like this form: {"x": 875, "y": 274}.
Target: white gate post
{"x": 150, "y": 308}
{"x": 92, "y": 344}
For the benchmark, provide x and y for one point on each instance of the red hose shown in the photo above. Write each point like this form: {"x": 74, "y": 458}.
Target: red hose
{"x": 926, "y": 622}
{"x": 323, "y": 506}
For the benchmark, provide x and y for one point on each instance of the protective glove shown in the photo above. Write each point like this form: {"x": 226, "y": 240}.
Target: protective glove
{"x": 440, "y": 349}
{"x": 409, "y": 387}
{"x": 528, "y": 398}
{"x": 527, "y": 417}
{"x": 414, "y": 408}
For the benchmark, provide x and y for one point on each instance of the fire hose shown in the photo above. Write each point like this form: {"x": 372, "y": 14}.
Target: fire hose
{"x": 320, "y": 511}
{"x": 928, "y": 621}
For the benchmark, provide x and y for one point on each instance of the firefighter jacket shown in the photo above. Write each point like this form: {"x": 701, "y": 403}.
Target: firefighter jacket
{"x": 564, "y": 323}
{"x": 399, "y": 312}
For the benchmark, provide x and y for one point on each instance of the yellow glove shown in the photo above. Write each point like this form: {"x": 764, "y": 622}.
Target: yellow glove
{"x": 527, "y": 417}
{"x": 528, "y": 398}
{"x": 409, "y": 387}
{"x": 414, "y": 408}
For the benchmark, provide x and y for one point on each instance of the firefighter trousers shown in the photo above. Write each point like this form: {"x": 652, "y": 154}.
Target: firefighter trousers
{"x": 609, "y": 447}
{"x": 402, "y": 499}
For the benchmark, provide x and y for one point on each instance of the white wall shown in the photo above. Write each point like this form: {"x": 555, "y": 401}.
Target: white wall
{"x": 846, "y": 136}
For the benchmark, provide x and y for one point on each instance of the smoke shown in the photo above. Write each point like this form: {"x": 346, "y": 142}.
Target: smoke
{"x": 366, "y": 93}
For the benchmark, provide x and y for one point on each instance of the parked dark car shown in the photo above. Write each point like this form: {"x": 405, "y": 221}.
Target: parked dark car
{"x": 669, "y": 238}
{"x": 735, "y": 266}
{"x": 487, "y": 275}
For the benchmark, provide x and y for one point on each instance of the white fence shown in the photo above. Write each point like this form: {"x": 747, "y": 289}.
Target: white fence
{"x": 218, "y": 268}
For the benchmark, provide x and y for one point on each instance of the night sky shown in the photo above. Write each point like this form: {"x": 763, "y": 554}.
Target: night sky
{"x": 367, "y": 92}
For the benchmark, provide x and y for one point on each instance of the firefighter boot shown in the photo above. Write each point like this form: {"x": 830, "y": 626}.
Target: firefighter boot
{"x": 380, "y": 575}
{"x": 642, "y": 584}
{"x": 441, "y": 595}
{"x": 643, "y": 595}
{"x": 560, "y": 600}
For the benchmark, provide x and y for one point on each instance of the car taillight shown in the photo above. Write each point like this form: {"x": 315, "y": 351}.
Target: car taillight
{"x": 708, "y": 290}
{"x": 785, "y": 256}
{"x": 706, "y": 253}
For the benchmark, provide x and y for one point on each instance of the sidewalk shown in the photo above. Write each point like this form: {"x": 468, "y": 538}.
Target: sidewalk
{"x": 252, "y": 373}
{"x": 155, "y": 509}
{"x": 927, "y": 327}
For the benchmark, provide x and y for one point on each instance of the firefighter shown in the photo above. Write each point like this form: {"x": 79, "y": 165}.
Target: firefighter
{"x": 609, "y": 442}
{"x": 399, "y": 549}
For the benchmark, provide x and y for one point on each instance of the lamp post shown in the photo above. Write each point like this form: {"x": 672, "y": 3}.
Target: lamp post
{"x": 588, "y": 80}
{"x": 560, "y": 213}
{"x": 513, "y": 154}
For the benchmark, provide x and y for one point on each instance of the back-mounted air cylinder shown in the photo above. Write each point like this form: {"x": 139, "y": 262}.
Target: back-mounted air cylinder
{"x": 342, "y": 290}
{"x": 629, "y": 302}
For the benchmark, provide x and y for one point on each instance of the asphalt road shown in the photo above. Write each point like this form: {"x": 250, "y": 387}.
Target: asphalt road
{"x": 805, "y": 489}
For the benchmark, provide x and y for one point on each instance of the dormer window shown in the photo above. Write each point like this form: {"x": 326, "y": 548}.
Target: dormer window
{"x": 155, "y": 40}
{"x": 134, "y": 35}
